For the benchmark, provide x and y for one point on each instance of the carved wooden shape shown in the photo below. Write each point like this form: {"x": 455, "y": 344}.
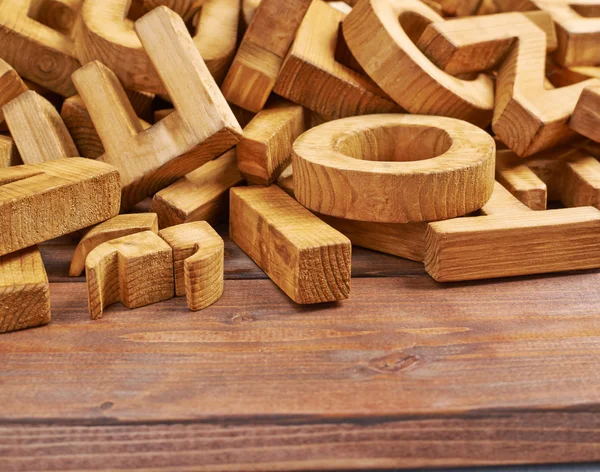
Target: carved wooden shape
{"x": 586, "y": 117}
{"x": 306, "y": 258}
{"x": 119, "y": 226}
{"x": 201, "y": 128}
{"x": 311, "y": 76}
{"x": 11, "y": 85}
{"x": 201, "y": 195}
{"x": 577, "y": 25}
{"x": 527, "y": 118}
{"x": 24, "y": 291}
{"x": 107, "y": 36}
{"x": 378, "y": 32}
{"x": 38, "y": 130}
{"x": 394, "y": 168}
{"x": 60, "y": 15}
{"x": 43, "y": 201}
{"x": 136, "y": 270}
{"x": 514, "y": 174}
{"x": 459, "y": 7}
{"x": 9, "y": 155}
{"x": 198, "y": 258}
{"x": 184, "y": 8}
{"x": 37, "y": 52}
{"x": 258, "y": 60}
{"x": 266, "y": 148}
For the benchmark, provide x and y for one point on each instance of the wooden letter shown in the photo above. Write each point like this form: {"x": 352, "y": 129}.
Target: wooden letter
{"x": 11, "y": 85}
{"x": 266, "y": 148}
{"x": 201, "y": 195}
{"x": 136, "y": 270}
{"x": 437, "y": 168}
{"x": 121, "y": 225}
{"x": 60, "y": 15}
{"x": 201, "y": 128}
{"x": 24, "y": 291}
{"x": 514, "y": 174}
{"x": 198, "y": 258}
{"x": 306, "y": 258}
{"x": 586, "y": 117}
{"x": 47, "y": 200}
{"x": 9, "y": 155}
{"x": 256, "y": 65}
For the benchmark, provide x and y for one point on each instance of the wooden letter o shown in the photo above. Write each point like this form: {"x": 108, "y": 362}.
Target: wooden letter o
{"x": 394, "y": 168}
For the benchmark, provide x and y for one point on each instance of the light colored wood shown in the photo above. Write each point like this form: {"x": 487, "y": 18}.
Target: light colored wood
{"x": 107, "y": 36}
{"x": 24, "y": 291}
{"x": 514, "y": 174}
{"x": 577, "y": 25}
{"x": 9, "y": 155}
{"x": 248, "y": 10}
{"x": 383, "y": 47}
{"x": 60, "y": 15}
{"x": 256, "y": 65}
{"x": 586, "y": 117}
{"x": 202, "y": 195}
{"x": 527, "y": 117}
{"x": 306, "y": 258}
{"x": 44, "y": 201}
{"x": 311, "y": 76}
{"x": 394, "y": 168}
{"x": 36, "y": 51}
{"x": 198, "y": 261}
{"x": 38, "y": 130}
{"x": 81, "y": 127}
{"x": 11, "y": 85}
{"x": 266, "y": 148}
{"x": 136, "y": 270}
{"x": 502, "y": 202}
{"x": 459, "y": 7}
{"x": 201, "y": 128}
{"x": 528, "y": 242}
{"x": 119, "y": 226}
{"x": 184, "y": 8}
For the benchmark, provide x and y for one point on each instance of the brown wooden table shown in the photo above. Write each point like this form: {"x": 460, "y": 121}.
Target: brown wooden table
{"x": 407, "y": 373}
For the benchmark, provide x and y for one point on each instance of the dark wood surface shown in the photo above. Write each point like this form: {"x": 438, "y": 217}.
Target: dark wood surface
{"x": 407, "y": 373}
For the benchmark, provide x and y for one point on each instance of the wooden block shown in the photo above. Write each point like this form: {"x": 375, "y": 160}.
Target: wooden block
{"x": 37, "y": 52}
{"x": 502, "y": 202}
{"x": 106, "y": 35}
{"x": 459, "y": 7}
{"x": 306, "y": 258}
{"x": 44, "y": 201}
{"x": 24, "y": 291}
{"x": 9, "y": 155}
{"x": 527, "y": 118}
{"x": 577, "y": 25}
{"x": 201, "y": 195}
{"x": 119, "y": 226}
{"x": 286, "y": 180}
{"x": 198, "y": 258}
{"x": 514, "y": 174}
{"x": 586, "y": 117}
{"x": 201, "y": 128}
{"x": 136, "y": 270}
{"x": 11, "y": 85}
{"x": 266, "y": 148}
{"x": 258, "y": 60}
{"x": 38, "y": 130}
{"x": 383, "y": 47}
{"x": 184, "y": 8}
{"x": 60, "y": 15}
{"x": 311, "y": 76}
{"x": 376, "y": 168}
{"x": 523, "y": 243}
{"x": 81, "y": 127}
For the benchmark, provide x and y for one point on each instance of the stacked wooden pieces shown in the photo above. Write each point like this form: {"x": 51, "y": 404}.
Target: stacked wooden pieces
{"x": 152, "y": 110}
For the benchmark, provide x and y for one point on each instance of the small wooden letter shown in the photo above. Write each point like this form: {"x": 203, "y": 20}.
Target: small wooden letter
{"x": 11, "y": 85}
{"x": 586, "y": 117}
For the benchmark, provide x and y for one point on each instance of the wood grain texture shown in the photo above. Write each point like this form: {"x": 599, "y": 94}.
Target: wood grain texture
{"x": 201, "y": 128}
{"x": 107, "y": 36}
{"x": 306, "y": 258}
{"x": 376, "y": 168}
{"x": 184, "y": 8}
{"x": 36, "y": 51}
{"x": 312, "y": 77}
{"x": 11, "y": 85}
{"x": 24, "y": 291}
{"x": 202, "y": 195}
{"x": 47, "y": 200}
{"x": 514, "y": 174}
{"x": 379, "y": 32}
{"x": 9, "y": 154}
{"x": 586, "y": 116}
{"x": 136, "y": 270}
{"x": 37, "y": 129}
{"x": 266, "y": 148}
{"x": 198, "y": 258}
{"x": 60, "y": 15}
{"x": 527, "y": 117}
{"x": 119, "y": 226}
{"x": 256, "y": 65}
